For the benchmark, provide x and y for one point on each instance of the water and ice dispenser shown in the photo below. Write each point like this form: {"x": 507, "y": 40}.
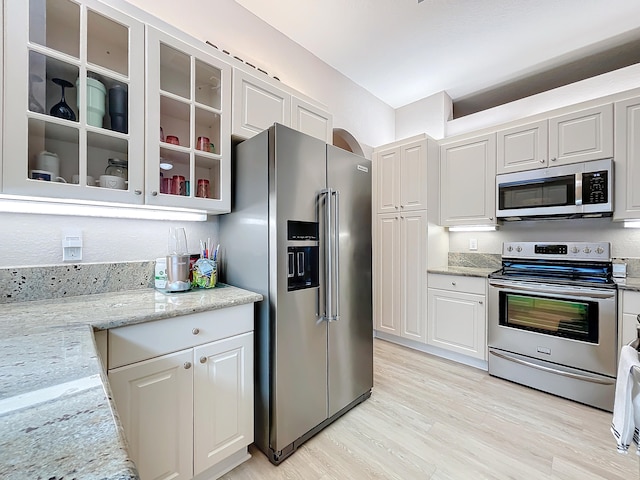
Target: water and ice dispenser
{"x": 302, "y": 255}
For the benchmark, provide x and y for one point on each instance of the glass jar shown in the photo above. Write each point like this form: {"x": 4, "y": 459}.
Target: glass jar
{"x": 118, "y": 168}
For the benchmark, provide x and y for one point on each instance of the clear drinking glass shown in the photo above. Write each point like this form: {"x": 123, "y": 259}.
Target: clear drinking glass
{"x": 177, "y": 241}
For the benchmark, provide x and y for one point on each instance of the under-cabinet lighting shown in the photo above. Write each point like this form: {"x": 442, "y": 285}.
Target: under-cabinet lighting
{"x": 473, "y": 228}
{"x": 632, "y": 224}
{"x": 49, "y": 206}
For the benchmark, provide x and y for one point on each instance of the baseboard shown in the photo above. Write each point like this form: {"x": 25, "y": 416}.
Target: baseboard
{"x": 437, "y": 351}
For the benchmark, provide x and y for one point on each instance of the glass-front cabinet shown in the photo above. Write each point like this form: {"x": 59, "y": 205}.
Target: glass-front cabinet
{"x": 74, "y": 101}
{"x": 188, "y": 126}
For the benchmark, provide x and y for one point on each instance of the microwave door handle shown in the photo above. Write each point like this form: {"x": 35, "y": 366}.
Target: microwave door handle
{"x": 579, "y": 188}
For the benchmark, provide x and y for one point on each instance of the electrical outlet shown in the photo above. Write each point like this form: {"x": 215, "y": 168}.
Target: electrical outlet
{"x": 72, "y": 246}
{"x": 473, "y": 244}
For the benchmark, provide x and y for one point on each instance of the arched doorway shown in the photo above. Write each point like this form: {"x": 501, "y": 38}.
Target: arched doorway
{"x": 346, "y": 141}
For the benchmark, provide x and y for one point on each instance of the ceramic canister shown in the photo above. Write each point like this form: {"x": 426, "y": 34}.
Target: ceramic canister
{"x": 48, "y": 161}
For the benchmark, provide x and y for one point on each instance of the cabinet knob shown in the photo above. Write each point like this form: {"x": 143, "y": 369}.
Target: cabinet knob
{"x": 481, "y": 302}
{"x": 187, "y": 365}
{"x": 401, "y": 206}
{"x": 203, "y": 359}
{"x": 553, "y": 159}
{"x": 542, "y": 160}
{"x": 453, "y": 283}
{"x": 195, "y": 331}
{"x": 396, "y": 207}
{"x": 138, "y": 192}
{"x": 154, "y": 194}
{"x": 490, "y": 218}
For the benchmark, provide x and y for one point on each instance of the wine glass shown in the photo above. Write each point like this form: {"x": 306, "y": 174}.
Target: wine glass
{"x": 61, "y": 109}
{"x": 34, "y": 104}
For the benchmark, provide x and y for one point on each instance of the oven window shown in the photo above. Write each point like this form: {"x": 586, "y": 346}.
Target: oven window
{"x": 553, "y": 192}
{"x": 561, "y": 318}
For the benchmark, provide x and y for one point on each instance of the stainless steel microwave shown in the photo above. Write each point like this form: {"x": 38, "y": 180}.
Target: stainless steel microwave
{"x": 569, "y": 191}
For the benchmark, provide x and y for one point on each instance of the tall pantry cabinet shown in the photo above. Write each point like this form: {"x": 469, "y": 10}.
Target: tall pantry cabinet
{"x": 401, "y": 233}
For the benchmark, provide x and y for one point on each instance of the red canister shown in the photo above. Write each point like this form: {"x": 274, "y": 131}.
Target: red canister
{"x": 179, "y": 186}
{"x": 203, "y": 188}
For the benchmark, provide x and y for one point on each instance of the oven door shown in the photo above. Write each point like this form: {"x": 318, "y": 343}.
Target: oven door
{"x": 567, "y": 325}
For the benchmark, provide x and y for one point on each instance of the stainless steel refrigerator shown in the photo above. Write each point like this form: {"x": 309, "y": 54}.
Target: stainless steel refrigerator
{"x": 300, "y": 234}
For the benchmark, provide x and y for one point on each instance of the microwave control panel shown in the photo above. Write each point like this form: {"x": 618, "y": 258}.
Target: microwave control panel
{"x": 595, "y": 187}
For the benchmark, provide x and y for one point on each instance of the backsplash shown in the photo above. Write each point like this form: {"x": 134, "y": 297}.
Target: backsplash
{"x": 22, "y": 284}
{"x": 475, "y": 260}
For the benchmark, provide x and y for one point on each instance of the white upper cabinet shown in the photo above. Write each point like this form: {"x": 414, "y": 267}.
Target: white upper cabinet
{"x": 581, "y": 136}
{"x": 257, "y": 105}
{"x": 400, "y": 176}
{"x": 311, "y": 120}
{"x": 522, "y": 148}
{"x": 467, "y": 181}
{"x": 627, "y": 160}
{"x": 74, "y": 101}
{"x": 188, "y": 137}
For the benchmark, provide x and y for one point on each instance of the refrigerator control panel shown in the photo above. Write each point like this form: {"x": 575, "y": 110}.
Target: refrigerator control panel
{"x": 302, "y": 260}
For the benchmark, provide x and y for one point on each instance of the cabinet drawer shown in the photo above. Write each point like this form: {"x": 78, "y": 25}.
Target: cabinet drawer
{"x": 457, "y": 283}
{"x": 631, "y": 302}
{"x": 134, "y": 343}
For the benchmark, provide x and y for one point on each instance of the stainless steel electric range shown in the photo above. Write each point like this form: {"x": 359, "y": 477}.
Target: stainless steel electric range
{"x": 552, "y": 319}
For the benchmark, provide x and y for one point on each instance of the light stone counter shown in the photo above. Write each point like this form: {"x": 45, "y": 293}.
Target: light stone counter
{"x": 56, "y": 417}
{"x": 464, "y": 271}
{"x": 629, "y": 283}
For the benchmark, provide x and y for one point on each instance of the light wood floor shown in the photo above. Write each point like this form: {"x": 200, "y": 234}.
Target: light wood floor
{"x": 429, "y": 418}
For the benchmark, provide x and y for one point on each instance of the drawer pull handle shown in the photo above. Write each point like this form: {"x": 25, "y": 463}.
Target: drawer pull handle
{"x": 203, "y": 359}
{"x": 195, "y": 331}
{"x": 187, "y": 365}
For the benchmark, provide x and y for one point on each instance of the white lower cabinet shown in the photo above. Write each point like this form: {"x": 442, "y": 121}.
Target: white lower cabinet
{"x": 457, "y": 314}
{"x": 188, "y": 412}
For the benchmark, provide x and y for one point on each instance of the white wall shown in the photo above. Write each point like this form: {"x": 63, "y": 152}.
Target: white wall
{"x": 625, "y": 242}
{"x": 428, "y": 115}
{"x": 32, "y": 240}
{"x": 36, "y": 239}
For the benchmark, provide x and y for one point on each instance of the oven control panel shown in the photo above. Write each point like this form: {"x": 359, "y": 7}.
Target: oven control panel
{"x": 600, "y": 251}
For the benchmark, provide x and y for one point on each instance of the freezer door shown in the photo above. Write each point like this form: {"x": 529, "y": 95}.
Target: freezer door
{"x": 351, "y": 335}
{"x": 299, "y": 336}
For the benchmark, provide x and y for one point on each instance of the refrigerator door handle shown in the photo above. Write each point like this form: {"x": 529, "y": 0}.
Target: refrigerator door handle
{"x": 327, "y": 192}
{"x": 336, "y": 234}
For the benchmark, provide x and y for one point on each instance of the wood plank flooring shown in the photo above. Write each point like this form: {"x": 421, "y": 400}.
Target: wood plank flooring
{"x": 430, "y": 418}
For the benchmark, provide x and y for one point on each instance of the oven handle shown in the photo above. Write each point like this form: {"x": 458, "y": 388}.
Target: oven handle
{"x": 555, "y": 289}
{"x": 576, "y": 376}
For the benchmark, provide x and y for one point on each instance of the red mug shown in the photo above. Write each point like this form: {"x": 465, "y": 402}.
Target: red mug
{"x": 166, "y": 185}
{"x": 172, "y": 139}
{"x": 179, "y": 187}
{"x": 203, "y": 144}
{"x": 203, "y": 188}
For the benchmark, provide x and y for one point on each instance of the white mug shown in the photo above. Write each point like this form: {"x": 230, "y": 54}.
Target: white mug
{"x": 76, "y": 179}
{"x": 112, "y": 181}
{"x": 45, "y": 176}
{"x": 49, "y": 162}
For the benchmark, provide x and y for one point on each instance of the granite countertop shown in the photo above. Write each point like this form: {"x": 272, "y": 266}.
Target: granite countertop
{"x": 56, "y": 415}
{"x": 629, "y": 283}
{"x": 464, "y": 271}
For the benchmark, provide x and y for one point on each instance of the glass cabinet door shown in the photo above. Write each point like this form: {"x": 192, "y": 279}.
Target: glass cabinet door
{"x": 74, "y": 101}
{"x": 188, "y": 126}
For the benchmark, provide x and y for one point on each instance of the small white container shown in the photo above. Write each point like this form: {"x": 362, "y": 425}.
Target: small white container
{"x": 161, "y": 273}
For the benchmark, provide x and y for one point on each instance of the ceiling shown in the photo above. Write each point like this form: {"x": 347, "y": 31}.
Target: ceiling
{"x": 481, "y": 52}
